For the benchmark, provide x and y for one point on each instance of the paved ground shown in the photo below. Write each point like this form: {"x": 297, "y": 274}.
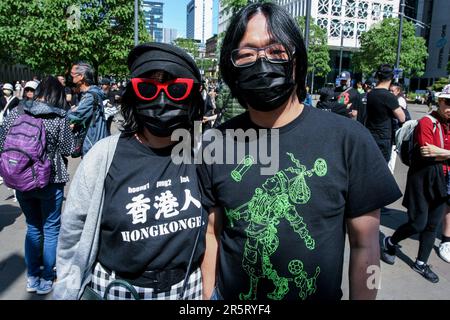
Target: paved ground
{"x": 399, "y": 282}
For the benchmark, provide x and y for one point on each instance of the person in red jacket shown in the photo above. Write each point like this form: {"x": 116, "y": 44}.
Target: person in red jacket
{"x": 431, "y": 150}
{"x": 426, "y": 192}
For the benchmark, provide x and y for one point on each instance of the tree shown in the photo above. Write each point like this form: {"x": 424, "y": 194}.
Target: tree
{"x": 440, "y": 84}
{"x": 50, "y": 35}
{"x": 379, "y": 45}
{"x": 318, "y": 53}
{"x": 189, "y": 45}
{"x": 233, "y": 6}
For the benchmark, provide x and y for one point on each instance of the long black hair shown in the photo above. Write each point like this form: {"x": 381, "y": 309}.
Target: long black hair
{"x": 281, "y": 27}
{"x": 128, "y": 109}
{"x": 52, "y": 92}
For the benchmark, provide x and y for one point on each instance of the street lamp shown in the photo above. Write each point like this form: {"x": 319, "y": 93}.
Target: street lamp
{"x": 399, "y": 43}
{"x": 341, "y": 49}
{"x": 136, "y": 22}
{"x": 307, "y": 23}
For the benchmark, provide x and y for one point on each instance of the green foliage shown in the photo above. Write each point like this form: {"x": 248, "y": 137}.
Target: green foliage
{"x": 379, "y": 45}
{"x": 207, "y": 64}
{"x": 226, "y": 103}
{"x": 440, "y": 84}
{"x": 233, "y": 6}
{"x": 189, "y": 45}
{"x": 49, "y": 35}
{"x": 411, "y": 96}
{"x": 318, "y": 53}
{"x": 192, "y": 47}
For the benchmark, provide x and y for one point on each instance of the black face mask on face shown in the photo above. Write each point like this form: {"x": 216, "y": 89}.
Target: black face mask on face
{"x": 69, "y": 82}
{"x": 265, "y": 86}
{"x": 162, "y": 116}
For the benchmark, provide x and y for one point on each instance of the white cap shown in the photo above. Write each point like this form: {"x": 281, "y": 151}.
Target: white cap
{"x": 31, "y": 84}
{"x": 8, "y": 86}
{"x": 445, "y": 94}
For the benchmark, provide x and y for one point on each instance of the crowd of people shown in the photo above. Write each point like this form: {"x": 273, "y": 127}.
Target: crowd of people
{"x": 137, "y": 225}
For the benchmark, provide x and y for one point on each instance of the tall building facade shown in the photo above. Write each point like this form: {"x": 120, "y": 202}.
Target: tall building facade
{"x": 153, "y": 15}
{"x": 296, "y": 8}
{"x": 199, "y": 22}
{"x": 224, "y": 19}
{"x": 433, "y": 24}
{"x": 169, "y": 35}
{"x": 344, "y": 20}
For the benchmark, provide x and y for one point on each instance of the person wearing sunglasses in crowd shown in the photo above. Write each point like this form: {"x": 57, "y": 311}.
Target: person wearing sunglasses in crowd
{"x": 29, "y": 89}
{"x": 131, "y": 213}
{"x": 427, "y": 191}
{"x": 282, "y": 234}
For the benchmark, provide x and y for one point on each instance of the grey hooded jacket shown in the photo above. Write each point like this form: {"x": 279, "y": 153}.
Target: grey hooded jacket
{"x": 80, "y": 222}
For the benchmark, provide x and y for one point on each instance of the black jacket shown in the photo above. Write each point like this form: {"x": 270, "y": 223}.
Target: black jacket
{"x": 425, "y": 184}
{"x": 14, "y": 103}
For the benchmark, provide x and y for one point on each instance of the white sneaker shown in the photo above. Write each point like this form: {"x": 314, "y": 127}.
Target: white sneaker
{"x": 45, "y": 286}
{"x": 444, "y": 251}
{"x": 32, "y": 284}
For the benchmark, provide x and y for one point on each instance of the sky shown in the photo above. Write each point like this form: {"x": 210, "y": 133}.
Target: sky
{"x": 175, "y": 15}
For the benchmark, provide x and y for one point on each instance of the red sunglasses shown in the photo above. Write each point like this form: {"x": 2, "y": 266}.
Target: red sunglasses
{"x": 149, "y": 89}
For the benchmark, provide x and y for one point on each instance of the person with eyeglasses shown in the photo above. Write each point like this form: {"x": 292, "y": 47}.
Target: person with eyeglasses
{"x": 132, "y": 214}
{"x": 281, "y": 235}
{"x": 87, "y": 118}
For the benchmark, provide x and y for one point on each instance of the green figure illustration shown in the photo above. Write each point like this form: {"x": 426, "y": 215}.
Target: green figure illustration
{"x": 238, "y": 173}
{"x": 275, "y": 200}
{"x": 307, "y": 286}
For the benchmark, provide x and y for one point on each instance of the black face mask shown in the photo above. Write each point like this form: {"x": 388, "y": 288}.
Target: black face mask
{"x": 265, "y": 86}
{"x": 69, "y": 82}
{"x": 163, "y": 116}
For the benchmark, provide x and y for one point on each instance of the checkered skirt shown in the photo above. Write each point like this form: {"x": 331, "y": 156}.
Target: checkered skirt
{"x": 101, "y": 278}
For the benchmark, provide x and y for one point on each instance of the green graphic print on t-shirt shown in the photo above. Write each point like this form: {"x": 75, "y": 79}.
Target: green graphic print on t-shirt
{"x": 276, "y": 200}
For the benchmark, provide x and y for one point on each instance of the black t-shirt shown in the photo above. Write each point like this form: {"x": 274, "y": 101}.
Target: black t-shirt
{"x": 334, "y": 106}
{"x": 284, "y": 233}
{"x": 380, "y": 104}
{"x": 152, "y": 211}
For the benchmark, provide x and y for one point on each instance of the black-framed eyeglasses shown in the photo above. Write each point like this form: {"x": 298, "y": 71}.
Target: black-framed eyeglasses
{"x": 247, "y": 56}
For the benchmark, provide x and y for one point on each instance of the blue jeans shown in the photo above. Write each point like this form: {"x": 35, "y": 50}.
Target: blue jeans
{"x": 42, "y": 209}
{"x": 216, "y": 295}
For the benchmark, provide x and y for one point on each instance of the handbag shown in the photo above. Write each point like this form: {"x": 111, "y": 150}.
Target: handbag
{"x": 79, "y": 134}
{"x": 91, "y": 294}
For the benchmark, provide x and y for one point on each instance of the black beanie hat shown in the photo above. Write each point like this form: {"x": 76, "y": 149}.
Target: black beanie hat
{"x": 162, "y": 56}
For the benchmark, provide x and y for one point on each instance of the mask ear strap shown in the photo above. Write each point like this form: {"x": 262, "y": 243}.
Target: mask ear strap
{"x": 197, "y": 107}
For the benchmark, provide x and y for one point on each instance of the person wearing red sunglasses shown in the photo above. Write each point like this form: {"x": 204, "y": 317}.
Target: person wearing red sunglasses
{"x": 132, "y": 213}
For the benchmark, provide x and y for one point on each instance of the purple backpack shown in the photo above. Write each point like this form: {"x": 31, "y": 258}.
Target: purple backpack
{"x": 24, "y": 164}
